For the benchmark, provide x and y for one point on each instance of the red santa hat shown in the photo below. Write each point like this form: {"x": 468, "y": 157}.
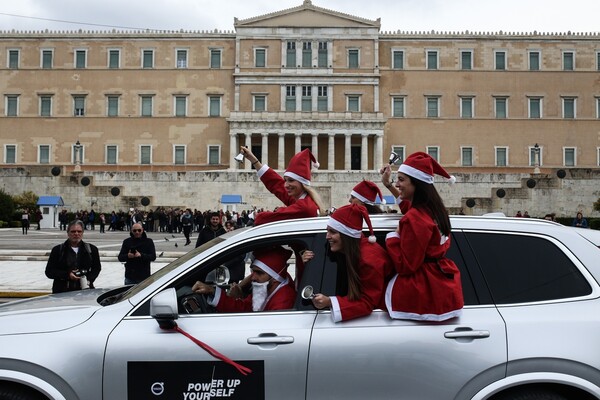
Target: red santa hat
{"x": 422, "y": 166}
{"x": 273, "y": 260}
{"x": 367, "y": 192}
{"x": 300, "y": 166}
{"x": 348, "y": 220}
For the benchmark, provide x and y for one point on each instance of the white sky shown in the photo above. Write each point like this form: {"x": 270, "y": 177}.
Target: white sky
{"x": 404, "y": 15}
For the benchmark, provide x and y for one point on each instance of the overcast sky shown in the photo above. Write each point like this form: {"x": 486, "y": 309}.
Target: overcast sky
{"x": 403, "y": 15}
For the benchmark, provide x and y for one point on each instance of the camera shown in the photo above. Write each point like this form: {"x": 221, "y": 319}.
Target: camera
{"x": 79, "y": 272}
{"x": 133, "y": 250}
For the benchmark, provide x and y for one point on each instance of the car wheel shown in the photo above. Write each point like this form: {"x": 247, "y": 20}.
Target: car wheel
{"x": 13, "y": 391}
{"x": 530, "y": 394}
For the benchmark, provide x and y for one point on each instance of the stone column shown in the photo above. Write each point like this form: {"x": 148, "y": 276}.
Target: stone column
{"x": 347, "y": 153}
{"x": 297, "y": 142}
{"x": 378, "y": 151}
{"x": 248, "y": 144}
{"x": 281, "y": 151}
{"x": 331, "y": 152}
{"x": 233, "y": 150}
{"x": 265, "y": 148}
{"x": 315, "y": 146}
{"x": 364, "y": 152}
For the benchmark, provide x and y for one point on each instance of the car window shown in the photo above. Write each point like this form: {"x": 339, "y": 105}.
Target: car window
{"x": 524, "y": 268}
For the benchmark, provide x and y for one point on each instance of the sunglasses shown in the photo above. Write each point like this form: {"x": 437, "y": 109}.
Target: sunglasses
{"x": 136, "y": 230}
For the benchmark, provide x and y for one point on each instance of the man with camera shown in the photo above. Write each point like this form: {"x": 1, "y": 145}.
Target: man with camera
{"x": 137, "y": 252}
{"x": 74, "y": 264}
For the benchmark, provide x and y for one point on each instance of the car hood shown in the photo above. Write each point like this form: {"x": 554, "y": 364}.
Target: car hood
{"x": 48, "y": 313}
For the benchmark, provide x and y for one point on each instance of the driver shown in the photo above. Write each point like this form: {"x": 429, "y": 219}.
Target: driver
{"x": 272, "y": 286}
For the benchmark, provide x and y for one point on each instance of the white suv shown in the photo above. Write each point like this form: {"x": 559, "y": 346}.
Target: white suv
{"x": 530, "y": 329}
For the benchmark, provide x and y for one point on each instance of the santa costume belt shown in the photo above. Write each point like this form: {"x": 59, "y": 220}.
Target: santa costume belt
{"x": 448, "y": 275}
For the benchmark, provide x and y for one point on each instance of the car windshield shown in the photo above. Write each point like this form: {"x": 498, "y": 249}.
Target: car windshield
{"x": 120, "y": 296}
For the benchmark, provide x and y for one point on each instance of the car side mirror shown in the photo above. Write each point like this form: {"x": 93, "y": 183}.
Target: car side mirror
{"x": 219, "y": 276}
{"x": 163, "y": 308}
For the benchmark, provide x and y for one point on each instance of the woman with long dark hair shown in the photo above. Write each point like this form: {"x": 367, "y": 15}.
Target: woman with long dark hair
{"x": 427, "y": 285}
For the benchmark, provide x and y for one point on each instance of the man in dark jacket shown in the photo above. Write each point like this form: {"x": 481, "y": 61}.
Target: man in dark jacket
{"x": 73, "y": 263}
{"x": 137, "y": 252}
{"x": 210, "y": 231}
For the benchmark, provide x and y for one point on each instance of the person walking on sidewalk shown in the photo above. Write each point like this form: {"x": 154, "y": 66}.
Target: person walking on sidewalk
{"x": 137, "y": 252}
{"x": 25, "y": 221}
{"x": 74, "y": 264}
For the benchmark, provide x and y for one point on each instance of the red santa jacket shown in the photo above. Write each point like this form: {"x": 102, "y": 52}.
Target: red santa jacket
{"x": 427, "y": 285}
{"x": 282, "y": 299}
{"x": 302, "y": 208}
{"x": 375, "y": 265}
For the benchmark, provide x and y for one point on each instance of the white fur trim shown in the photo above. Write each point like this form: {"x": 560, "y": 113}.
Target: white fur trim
{"x": 341, "y": 228}
{"x": 297, "y": 177}
{"x": 268, "y": 270}
{"x": 316, "y": 165}
{"x": 262, "y": 170}
{"x": 416, "y": 173}
{"x": 392, "y": 235}
{"x": 361, "y": 198}
{"x": 336, "y": 312}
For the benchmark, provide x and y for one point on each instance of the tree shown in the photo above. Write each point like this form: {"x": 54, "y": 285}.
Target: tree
{"x": 26, "y": 200}
{"x": 7, "y": 206}
{"x": 597, "y": 205}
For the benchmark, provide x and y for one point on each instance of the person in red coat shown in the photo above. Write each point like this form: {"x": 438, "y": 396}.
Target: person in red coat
{"x": 426, "y": 285}
{"x": 365, "y": 194}
{"x": 301, "y": 201}
{"x": 272, "y": 286}
{"x": 366, "y": 262}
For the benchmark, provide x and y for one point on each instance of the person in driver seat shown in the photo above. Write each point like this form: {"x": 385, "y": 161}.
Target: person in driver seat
{"x": 272, "y": 286}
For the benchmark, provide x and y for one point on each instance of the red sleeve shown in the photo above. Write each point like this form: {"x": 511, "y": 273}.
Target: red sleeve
{"x": 230, "y": 304}
{"x": 274, "y": 184}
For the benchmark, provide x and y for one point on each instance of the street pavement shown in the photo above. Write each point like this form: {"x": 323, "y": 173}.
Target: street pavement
{"x": 23, "y": 257}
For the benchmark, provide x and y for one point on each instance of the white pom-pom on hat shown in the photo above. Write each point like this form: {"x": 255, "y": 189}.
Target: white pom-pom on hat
{"x": 452, "y": 179}
{"x": 372, "y": 239}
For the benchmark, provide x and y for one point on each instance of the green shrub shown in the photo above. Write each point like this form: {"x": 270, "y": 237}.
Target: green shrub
{"x": 594, "y": 223}
{"x": 14, "y": 224}
{"x": 3, "y": 224}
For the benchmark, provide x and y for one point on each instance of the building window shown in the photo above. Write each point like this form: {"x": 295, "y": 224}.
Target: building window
{"x": 12, "y": 105}
{"x": 501, "y": 107}
{"x": 182, "y": 58}
{"x": 501, "y": 156}
{"x": 260, "y": 103}
{"x": 398, "y": 107}
{"x": 290, "y": 98}
{"x": 306, "y": 98}
{"x": 569, "y": 107}
{"x": 215, "y": 58}
{"x": 80, "y": 58}
{"x": 569, "y": 156}
{"x": 398, "y": 59}
{"x": 432, "y": 59}
{"x": 532, "y": 152}
{"x": 114, "y": 58}
{"x": 44, "y": 154}
{"x": 47, "y": 56}
{"x": 434, "y": 152}
{"x": 214, "y": 106}
{"x": 112, "y": 154}
{"x": 400, "y": 152}
{"x": 13, "y": 59}
{"x": 179, "y": 154}
{"x": 146, "y": 106}
{"x": 145, "y": 154}
{"x": 260, "y": 58}
{"x": 353, "y": 58}
{"x": 353, "y": 103}
{"x": 306, "y": 54}
{"x": 534, "y": 60}
{"x": 290, "y": 55}
{"x": 112, "y": 106}
{"x": 322, "y": 55}
{"x": 10, "y": 154}
{"x": 322, "y": 98}
{"x": 45, "y": 106}
{"x": 568, "y": 61}
{"x": 466, "y": 59}
{"x": 466, "y": 107}
{"x": 180, "y": 106}
{"x": 78, "y": 106}
{"x": 466, "y": 155}
{"x": 147, "y": 58}
{"x": 214, "y": 155}
{"x": 535, "y": 107}
{"x": 500, "y": 60}
{"x": 433, "y": 107}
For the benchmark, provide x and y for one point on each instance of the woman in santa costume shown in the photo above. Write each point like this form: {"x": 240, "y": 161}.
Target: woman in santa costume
{"x": 365, "y": 194}
{"x": 293, "y": 189}
{"x": 427, "y": 285}
{"x": 365, "y": 262}
{"x": 272, "y": 286}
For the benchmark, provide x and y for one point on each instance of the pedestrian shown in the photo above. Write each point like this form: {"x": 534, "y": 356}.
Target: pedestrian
{"x": 137, "y": 252}
{"x": 365, "y": 193}
{"x": 579, "y": 221}
{"x": 187, "y": 223}
{"x": 427, "y": 284}
{"x": 25, "y": 221}
{"x": 39, "y": 217}
{"x": 211, "y": 230}
{"x": 74, "y": 264}
{"x": 102, "y": 218}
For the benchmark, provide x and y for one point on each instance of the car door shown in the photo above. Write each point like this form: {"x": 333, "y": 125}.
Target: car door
{"x": 144, "y": 361}
{"x": 377, "y": 357}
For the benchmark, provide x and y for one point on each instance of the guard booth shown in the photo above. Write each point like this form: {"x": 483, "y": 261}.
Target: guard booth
{"x": 50, "y": 207}
{"x": 229, "y": 202}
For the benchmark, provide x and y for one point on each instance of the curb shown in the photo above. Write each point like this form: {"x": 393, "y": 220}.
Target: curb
{"x": 15, "y": 295}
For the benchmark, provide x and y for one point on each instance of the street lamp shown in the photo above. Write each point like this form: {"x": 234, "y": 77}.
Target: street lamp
{"x": 77, "y": 156}
{"x": 536, "y": 159}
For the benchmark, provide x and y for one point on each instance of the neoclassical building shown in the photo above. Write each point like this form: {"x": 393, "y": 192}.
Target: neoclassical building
{"x": 304, "y": 77}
